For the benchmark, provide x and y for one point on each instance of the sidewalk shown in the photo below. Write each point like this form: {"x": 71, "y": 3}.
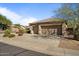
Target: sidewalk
{"x": 47, "y": 46}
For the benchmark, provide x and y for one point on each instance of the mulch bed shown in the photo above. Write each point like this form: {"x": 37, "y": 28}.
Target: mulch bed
{"x": 69, "y": 44}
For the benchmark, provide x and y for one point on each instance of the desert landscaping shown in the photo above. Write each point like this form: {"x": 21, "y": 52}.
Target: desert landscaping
{"x": 54, "y": 36}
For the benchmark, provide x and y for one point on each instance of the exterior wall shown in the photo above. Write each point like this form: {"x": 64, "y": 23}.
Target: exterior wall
{"x": 34, "y": 29}
{"x": 40, "y": 29}
{"x": 31, "y": 29}
{"x": 64, "y": 27}
{"x": 59, "y": 30}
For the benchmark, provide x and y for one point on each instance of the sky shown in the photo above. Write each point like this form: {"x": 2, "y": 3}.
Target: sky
{"x": 25, "y": 13}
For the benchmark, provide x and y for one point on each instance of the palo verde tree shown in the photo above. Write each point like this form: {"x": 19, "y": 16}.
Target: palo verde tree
{"x": 70, "y": 13}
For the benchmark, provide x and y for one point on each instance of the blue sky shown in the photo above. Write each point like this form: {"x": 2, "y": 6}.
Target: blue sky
{"x": 25, "y": 13}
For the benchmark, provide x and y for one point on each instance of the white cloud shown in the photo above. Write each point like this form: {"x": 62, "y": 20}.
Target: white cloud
{"x": 25, "y": 21}
{"x": 16, "y": 18}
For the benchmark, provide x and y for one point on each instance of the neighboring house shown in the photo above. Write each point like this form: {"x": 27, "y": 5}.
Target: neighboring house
{"x": 48, "y": 27}
{"x": 14, "y": 29}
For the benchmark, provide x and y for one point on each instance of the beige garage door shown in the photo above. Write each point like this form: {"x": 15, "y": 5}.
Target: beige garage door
{"x": 48, "y": 30}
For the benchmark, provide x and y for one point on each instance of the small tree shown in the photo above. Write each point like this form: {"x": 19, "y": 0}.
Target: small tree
{"x": 4, "y": 22}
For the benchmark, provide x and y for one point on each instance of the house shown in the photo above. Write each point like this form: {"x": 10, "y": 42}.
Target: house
{"x": 48, "y": 27}
{"x": 14, "y": 29}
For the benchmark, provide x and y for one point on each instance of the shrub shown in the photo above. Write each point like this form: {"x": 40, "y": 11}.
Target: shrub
{"x": 21, "y": 32}
{"x": 11, "y": 35}
{"x": 27, "y": 30}
{"x": 6, "y": 33}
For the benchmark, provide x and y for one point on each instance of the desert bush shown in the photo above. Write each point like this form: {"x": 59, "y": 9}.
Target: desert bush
{"x": 6, "y": 33}
{"x": 21, "y": 32}
{"x": 27, "y": 30}
{"x": 11, "y": 35}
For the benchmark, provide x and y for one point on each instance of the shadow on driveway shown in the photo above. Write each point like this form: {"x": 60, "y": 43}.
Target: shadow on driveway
{"x": 9, "y": 50}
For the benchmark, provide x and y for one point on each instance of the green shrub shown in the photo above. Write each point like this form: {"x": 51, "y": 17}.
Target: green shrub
{"x": 11, "y": 35}
{"x": 7, "y": 31}
{"x": 27, "y": 30}
{"x": 5, "y": 35}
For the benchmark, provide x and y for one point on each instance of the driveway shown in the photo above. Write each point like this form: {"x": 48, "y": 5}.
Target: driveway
{"x": 9, "y": 50}
{"x": 47, "y": 45}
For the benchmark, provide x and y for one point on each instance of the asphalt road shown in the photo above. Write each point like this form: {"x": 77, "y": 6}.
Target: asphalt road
{"x": 8, "y": 50}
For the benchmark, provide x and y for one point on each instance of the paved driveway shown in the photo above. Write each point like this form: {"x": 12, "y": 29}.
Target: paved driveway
{"x": 8, "y": 50}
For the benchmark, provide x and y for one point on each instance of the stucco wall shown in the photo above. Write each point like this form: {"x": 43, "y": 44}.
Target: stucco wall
{"x": 34, "y": 29}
